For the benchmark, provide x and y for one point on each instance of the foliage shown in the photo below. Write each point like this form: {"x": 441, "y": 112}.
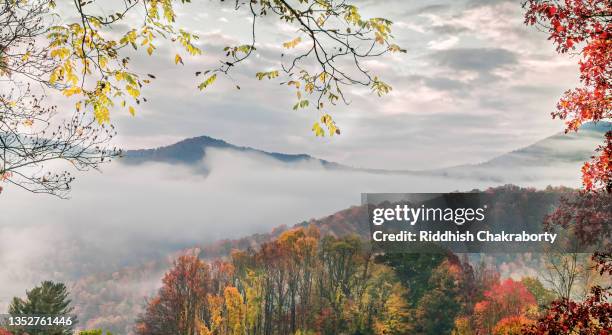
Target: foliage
{"x": 512, "y": 325}
{"x": 103, "y": 302}
{"x": 583, "y": 27}
{"x": 542, "y": 295}
{"x": 92, "y": 64}
{"x": 93, "y": 332}
{"x": 302, "y": 283}
{"x": 438, "y": 307}
{"x": 587, "y": 214}
{"x": 297, "y": 283}
{"x": 565, "y": 317}
{"x": 414, "y": 271}
{"x": 463, "y": 326}
{"x": 508, "y": 298}
{"x": 32, "y": 133}
{"x": 48, "y": 299}
{"x": 175, "y": 308}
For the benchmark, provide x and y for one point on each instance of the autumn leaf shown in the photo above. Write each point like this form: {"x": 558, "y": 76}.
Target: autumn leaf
{"x": 178, "y": 59}
{"x": 293, "y": 43}
{"x": 72, "y": 90}
{"x": 316, "y": 128}
{"x": 270, "y": 75}
{"x": 209, "y": 81}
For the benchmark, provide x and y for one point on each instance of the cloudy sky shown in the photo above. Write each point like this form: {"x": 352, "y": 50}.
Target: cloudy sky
{"x": 475, "y": 83}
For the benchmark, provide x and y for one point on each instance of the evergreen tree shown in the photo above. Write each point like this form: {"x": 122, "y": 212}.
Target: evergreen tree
{"x": 50, "y": 300}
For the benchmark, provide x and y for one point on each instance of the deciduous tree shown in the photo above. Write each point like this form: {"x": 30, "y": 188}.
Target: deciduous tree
{"x": 583, "y": 27}
{"x": 178, "y": 307}
{"x": 565, "y": 317}
{"x": 506, "y": 299}
{"x": 33, "y": 133}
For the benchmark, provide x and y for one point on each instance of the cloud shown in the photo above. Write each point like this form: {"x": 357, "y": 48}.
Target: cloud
{"x": 444, "y": 84}
{"x": 481, "y": 60}
{"x": 444, "y": 43}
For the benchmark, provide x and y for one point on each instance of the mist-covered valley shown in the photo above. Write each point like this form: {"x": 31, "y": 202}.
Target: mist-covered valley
{"x": 116, "y": 235}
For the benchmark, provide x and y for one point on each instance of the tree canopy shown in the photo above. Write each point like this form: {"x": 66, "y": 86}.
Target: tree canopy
{"x": 49, "y": 299}
{"x": 583, "y": 28}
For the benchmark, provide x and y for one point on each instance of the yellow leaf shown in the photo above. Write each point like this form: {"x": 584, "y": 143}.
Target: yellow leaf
{"x": 72, "y": 78}
{"x": 101, "y": 114}
{"x": 72, "y": 90}
{"x": 293, "y": 43}
{"x": 396, "y": 48}
{"x": 178, "y": 59}
{"x": 60, "y": 53}
{"x": 103, "y": 62}
{"x": 316, "y": 128}
{"x": 132, "y": 91}
{"x": 270, "y": 75}
{"x": 207, "y": 82}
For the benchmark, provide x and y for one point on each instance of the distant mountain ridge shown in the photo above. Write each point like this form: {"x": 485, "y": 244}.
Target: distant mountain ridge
{"x": 560, "y": 152}
{"x": 547, "y": 151}
{"x": 193, "y": 150}
{"x": 553, "y": 146}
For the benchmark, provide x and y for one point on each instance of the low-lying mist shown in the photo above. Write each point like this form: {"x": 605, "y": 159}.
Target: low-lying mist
{"x": 130, "y": 214}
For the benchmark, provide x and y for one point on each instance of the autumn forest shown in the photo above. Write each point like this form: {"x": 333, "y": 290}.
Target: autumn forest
{"x": 440, "y": 99}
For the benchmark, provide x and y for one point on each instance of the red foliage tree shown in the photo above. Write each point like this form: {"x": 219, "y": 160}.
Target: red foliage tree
{"x": 583, "y": 26}
{"x": 2, "y": 330}
{"x": 506, "y": 299}
{"x": 587, "y": 215}
{"x": 176, "y": 308}
{"x": 591, "y": 317}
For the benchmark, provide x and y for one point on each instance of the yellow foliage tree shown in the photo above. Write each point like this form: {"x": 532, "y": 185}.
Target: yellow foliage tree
{"x": 235, "y": 311}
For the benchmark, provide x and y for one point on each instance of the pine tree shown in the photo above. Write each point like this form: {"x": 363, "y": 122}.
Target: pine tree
{"x": 50, "y": 300}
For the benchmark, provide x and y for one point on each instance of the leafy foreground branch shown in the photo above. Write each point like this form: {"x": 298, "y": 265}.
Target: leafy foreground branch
{"x": 44, "y": 51}
{"x": 584, "y": 28}
{"x": 32, "y": 133}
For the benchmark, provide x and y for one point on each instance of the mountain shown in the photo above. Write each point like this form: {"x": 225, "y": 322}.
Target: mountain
{"x": 558, "y": 154}
{"x": 557, "y": 151}
{"x": 570, "y": 147}
{"x": 193, "y": 150}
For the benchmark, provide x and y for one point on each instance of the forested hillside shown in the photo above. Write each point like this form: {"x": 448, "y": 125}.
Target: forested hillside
{"x": 112, "y": 300}
{"x": 305, "y": 283}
